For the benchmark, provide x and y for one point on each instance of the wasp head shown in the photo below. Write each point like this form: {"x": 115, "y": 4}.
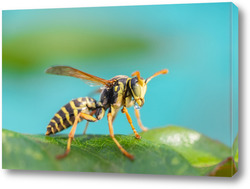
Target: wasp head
{"x": 138, "y": 86}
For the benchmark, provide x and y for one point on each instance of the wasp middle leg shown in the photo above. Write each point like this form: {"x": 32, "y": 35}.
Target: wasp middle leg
{"x": 124, "y": 110}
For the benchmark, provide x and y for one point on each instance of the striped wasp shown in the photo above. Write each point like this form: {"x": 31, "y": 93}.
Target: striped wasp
{"x": 120, "y": 92}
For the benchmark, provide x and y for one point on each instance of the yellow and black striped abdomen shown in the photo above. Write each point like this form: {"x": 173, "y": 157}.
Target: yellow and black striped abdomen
{"x": 65, "y": 117}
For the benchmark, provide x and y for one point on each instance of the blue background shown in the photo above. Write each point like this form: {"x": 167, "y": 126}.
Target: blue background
{"x": 192, "y": 41}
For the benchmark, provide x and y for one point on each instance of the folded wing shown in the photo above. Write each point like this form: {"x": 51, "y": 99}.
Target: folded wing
{"x": 69, "y": 71}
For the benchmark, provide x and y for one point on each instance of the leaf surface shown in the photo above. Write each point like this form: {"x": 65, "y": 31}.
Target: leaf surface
{"x": 236, "y": 149}
{"x": 92, "y": 153}
{"x": 198, "y": 149}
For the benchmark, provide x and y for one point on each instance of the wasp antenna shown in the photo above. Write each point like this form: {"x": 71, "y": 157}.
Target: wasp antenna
{"x": 137, "y": 73}
{"x": 164, "y": 71}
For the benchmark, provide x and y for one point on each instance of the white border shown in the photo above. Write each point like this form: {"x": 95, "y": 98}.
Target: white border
{"x": 45, "y": 179}
{"x": 29, "y": 4}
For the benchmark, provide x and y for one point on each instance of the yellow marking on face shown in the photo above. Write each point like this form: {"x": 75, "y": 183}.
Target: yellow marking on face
{"x": 55, "y": 124}
{"x": 143, "y": 90}
{"x": 79, "y": 99}
{"x": 61, "y": 120}
{"x": 116, "y": 87}
{"x": 48, "y": 126}
{"x": 52, "y": 129}
{"x": 67, "y": 115}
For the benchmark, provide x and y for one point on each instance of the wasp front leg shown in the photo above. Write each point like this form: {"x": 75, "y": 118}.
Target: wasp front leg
{"x": 124, "y": 110}
{"x": 111, "y": 131}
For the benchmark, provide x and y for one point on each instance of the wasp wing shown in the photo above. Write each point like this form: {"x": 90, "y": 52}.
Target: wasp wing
{"x": 69, "y": 71}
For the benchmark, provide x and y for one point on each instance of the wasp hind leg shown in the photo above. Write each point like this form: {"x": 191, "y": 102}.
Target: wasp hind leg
{"x": 111, "y": 131}
{"x": 137, "y": 115}
{"x": 73, "y": 130}
{"x": 124, "y": 110}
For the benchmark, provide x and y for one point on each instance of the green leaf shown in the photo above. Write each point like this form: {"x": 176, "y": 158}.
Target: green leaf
{"x": 92, "y": 153}
{"x": 236, "y": 149}
{"x": 198, "y": 149}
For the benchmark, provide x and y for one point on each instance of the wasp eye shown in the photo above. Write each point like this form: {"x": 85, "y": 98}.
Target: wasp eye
{"x": 137, "y": 89}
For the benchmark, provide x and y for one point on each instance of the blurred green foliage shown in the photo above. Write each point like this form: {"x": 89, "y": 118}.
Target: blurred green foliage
{"x": 27, "y": 50}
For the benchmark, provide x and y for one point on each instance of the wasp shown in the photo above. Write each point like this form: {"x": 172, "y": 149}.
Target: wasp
{"x": 120, "y": 92}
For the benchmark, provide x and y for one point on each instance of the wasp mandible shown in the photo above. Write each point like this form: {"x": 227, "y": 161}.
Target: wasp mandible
{"x": 120, "y": 92}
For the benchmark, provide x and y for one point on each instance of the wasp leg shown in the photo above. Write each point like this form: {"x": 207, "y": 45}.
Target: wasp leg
{"x": 124, "y": 110}
{"x": 137, "y": 115}
{"x": 111, "y": 131}
{"x": 113, "y": 117}
{"x": 73, "y": 130}
{"x": 85, "y": 129}
{"x": 87, "y": 124}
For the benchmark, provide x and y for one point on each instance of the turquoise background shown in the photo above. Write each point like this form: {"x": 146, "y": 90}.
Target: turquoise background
{"x": 192, "y": 41}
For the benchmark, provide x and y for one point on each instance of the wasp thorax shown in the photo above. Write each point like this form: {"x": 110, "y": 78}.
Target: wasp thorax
{"x": 138, "y": 89}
